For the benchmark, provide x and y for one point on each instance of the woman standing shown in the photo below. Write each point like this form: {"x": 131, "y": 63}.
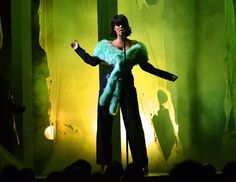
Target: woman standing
{"x": 118, "y": 90}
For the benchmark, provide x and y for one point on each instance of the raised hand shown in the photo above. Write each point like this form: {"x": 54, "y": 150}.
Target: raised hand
{"x": 173, "y": 77}
{"x": 74, "y": 44}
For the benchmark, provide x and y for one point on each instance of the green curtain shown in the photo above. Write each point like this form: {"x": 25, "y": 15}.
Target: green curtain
{"x": 230, "y": 77}
{"x": 230, "y": 63}
{"x": 72, "y": 84}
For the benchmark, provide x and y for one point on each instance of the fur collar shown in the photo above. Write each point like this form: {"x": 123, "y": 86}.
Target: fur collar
{"x": 115, "y": 57}
{"x": 111, "y": 55}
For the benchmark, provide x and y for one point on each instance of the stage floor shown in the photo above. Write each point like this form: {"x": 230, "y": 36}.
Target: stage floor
{"x": 151, "y": 177}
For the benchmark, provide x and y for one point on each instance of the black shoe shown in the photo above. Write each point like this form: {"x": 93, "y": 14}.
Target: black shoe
{"x": 145, "y": 170}
{"x": 103, "y": 168}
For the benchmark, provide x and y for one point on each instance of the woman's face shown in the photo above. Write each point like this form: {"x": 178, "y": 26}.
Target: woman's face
{"x": 119, "y": 30}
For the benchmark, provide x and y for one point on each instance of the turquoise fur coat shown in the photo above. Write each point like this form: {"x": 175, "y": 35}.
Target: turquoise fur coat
{"x": 115, "y": 57}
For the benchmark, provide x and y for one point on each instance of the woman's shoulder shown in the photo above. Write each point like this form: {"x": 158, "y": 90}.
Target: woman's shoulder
{"x": 139, "y": 49}
{"x": 133, "y": 42}
{"x": 138, "y": 43}
{"x": 103, "y": 41}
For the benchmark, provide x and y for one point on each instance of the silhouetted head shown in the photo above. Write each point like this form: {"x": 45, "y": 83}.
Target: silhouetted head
{"x": 228, "y": 171}
{"x": 78, "y": 170}
{"x": 162, "y": 97}
{"x": 188, "y": 170}
{"x": 114, "y": 170}
{"x": 133, "y": 172}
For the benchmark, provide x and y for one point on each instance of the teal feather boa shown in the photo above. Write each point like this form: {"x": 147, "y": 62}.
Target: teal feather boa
{"x": 115, "y": 57}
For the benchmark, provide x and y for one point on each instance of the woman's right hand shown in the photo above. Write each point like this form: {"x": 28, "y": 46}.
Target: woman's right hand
{"x": 74, "y": 44}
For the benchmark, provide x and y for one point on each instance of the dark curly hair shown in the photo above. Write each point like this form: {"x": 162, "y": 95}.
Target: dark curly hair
{"x": 120, "y": 20}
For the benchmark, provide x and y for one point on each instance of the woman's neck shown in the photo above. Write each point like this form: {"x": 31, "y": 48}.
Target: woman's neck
{"x": 119, "y": 39}
{"x": 119, "y": 43}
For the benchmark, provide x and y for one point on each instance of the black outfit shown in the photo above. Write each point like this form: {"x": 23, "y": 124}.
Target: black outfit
{"x": 130, "y": 112}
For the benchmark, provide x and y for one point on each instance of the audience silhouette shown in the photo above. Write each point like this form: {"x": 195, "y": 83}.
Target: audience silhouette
{"x": 81, "y": 171}
{"x": 114, "y": 171}
{"x": 133, "y": 172}
{"x": 228, "y": 172}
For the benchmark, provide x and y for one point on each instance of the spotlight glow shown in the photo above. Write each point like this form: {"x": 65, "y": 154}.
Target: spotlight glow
{"x": 49, "y": 132}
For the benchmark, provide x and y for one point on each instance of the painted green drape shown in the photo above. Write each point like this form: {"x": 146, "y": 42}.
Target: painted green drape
{"x": 230, "y": 98}
{"x": 72, "y": 84}
{"x": 230, "y": 78}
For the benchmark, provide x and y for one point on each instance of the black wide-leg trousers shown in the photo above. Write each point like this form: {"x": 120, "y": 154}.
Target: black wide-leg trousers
{"x": 133, "y": 125}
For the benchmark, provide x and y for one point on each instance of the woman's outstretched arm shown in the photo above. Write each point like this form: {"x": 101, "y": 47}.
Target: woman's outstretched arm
{"x": 146, "y": 66}
{"x": 87, "y": 58}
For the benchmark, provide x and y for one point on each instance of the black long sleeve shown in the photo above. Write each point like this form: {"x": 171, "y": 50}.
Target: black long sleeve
{"x": 87, "y": 58}
{"x": 146, "y": 66}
